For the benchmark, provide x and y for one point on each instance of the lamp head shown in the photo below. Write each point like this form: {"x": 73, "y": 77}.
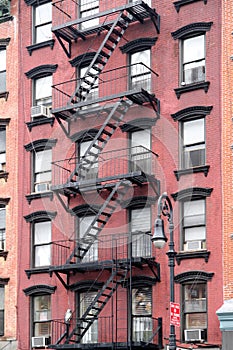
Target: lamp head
{"x": 159, "y": 238}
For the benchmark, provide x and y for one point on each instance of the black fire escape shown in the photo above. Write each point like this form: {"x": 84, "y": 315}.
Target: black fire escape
{"x": 107, "y": 174}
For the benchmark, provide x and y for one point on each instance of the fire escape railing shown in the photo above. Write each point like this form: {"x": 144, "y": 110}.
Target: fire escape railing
{"x": 112, "y": 164}
{"x": 112, "y": 85}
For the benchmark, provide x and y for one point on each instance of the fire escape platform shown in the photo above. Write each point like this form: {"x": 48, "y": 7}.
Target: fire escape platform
{"x": 71, "y": 30}
{"x": 71, "y": 188}
{"x": 107, "y": 346}
{"x": 73, "y": 111}
{"x": 83, "y": 267}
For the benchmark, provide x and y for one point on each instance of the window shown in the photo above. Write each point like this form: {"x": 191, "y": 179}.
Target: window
{"x": 193, "y": 60}
{"x": 43, "y": 91}
{"x": 42, "y": 22}
{"x": 2, "y": 148}
{"x": 2, "y": 309}
{"x": 85, "y": 299}
{"x": 2, "y": 227}
{"x": 41, "y": 243}
{"x": 4, "y": 8}
{"x": 140, "y": 74}
{"x": 92, "y": 173}
{"x": 2, "y": 69}
{"x": 142, "y": 313}
{"x": 94, "y": 93}
{"x": 140, "y": 151}
{"x": 42, "y": 170}
{"x": 141, "y": 232}
{"x": 89, "y": 8}
{"x": 41, "y": 308}
{"x": 194, "y": 227}
{"x": 195, "y": 309}
{"x": 84, "y": 224}
{"x": 193, "y": 138}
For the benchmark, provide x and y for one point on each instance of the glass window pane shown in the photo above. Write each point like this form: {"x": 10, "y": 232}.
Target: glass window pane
{"x": 140, "y": 219}
{"x": 193, "y": 131}
{"x": 43, "y": 13}
{"x": 194, "y": 213}
{"x": 43, "y": 33}
{"x": 142, "y": 301}
{"x": 195, "y": 233}
{"x": 43, "y": 160}
{"x": 138, "y": 57}
{"x": 2, "y": 140}
{"x": 2, "y": 298}
{"x": 42, "y": 232}
{"x": 3, "y": 81}
{"x": 2, "y": 60}
{"x": 43, "y": 87}
{"x": 43, "y": 255}
{"x": 42, "y": 308}
{"x": 2, "y": 218}
{"x": 193, "y": 49}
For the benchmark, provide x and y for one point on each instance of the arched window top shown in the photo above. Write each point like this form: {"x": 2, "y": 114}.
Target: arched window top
{"x": 138, "y": 124}
{"x": 84, "y": 286}
{"x": 192, "y": 193}
{"x": 139, "y": 44}
{"x": 141, "y": 281}
{"x": 40, "y": 144}
{"x": 39, "y": 289}
{"x": 82, "y": 60}
{"x": 41, "y": 71}
{"x": 84, "y": 135}
{"x": 84, "y": 209}
{"x": 193, "y": 275}
{"x": 139, "y": 202}
{"x": 190, "y": 29}
{"x": 40, "y": 215}
{"x": 4, "y": 281}
{"x": 36, "y": 2}
{"x": 4, "y": 42}
{"x": 4, "y": 201}
{"x": 191, "y": 113}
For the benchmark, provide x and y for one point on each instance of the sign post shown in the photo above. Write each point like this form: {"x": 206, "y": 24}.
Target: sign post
{"x": 175, "y": 314}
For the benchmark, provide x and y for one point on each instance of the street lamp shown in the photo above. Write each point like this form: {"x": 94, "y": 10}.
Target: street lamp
{"x": 159, "y": 239}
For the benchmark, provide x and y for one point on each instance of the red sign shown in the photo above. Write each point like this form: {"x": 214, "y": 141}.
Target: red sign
{"x": 175, "y": 314}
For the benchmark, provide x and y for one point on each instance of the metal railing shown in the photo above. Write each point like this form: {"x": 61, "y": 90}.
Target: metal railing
{"x": 115, "y": 163}
{"x": 112, "y": 84}
{"x": 105, "y": 248}
{"x": 105, "y": 333}
{"x": 72, "y": 11}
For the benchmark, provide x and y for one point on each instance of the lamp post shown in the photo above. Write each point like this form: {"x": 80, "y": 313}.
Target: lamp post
{"x": 159, "y": 239}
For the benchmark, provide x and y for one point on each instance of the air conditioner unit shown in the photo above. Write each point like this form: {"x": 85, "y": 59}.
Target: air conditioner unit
{"x": 40, "y": 111}
{"x": 192, "y": 335}
{"x": 194, "y": 245}
{"x": 40, "y": 342}
{"x": 42, "y": 187}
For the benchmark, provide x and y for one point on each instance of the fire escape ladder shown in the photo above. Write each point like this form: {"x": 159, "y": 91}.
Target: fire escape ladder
{"x": 117, "y": 193}
{"x": 112, "y": 38}
{"x": 98, "y": 143}
{"x": 118, "y": 275}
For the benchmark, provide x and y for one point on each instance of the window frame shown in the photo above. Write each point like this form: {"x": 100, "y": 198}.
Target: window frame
{"x": 35, "y": 174}
{"x": 47, "y": 321}
{"x": 144, "y": 249}
{"x": 142, "y": 318}
{"x": 44, "y": 244}
{"x": 183, "y": 82}
{"x": 35, "y": 26}
{"x": 3, "y": 150}
{"x": 141, "y": 70}
{"x": 185, "y": 227}
{"x": 140, "y": 159}
{"x": 46, "y": 100}
{"x": 2, "y": 311}
{"x": 201, "y": 301}
{"x": 3, "y": 70}
{"x": 92, "y": 332}
{"x": 183, "y": 147}
{"x": 92, "y": 255}
{"x": 90, "y": 11}
{"x": 3, "y": 230}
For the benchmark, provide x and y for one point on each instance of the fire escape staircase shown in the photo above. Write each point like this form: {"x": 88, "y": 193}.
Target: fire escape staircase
{"x": 98, "y": 143}
{"x": 115, "y": 196}
{"x": 107, "y": 47}
{"x": 118, "y": 275}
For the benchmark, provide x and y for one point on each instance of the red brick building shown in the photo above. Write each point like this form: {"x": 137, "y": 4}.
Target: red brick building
{"x": 134, "y": 111}
{"x": 9, "y": 152}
